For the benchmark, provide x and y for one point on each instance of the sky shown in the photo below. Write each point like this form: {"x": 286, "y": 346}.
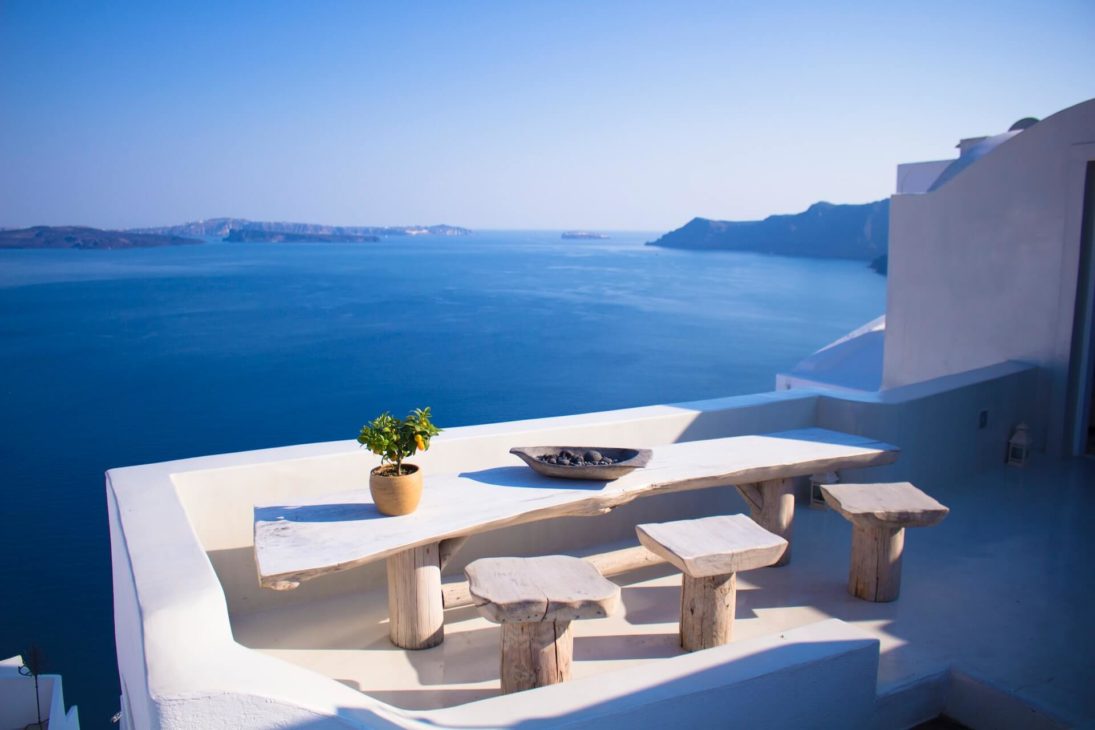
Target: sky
{"x": 506, "y": 115}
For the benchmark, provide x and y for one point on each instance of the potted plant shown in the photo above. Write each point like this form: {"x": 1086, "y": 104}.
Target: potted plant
{"x": 397, "y": 487}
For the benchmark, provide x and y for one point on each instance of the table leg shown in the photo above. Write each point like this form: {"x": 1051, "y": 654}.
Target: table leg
{"x": 707, "y": 610}
{"x": 772, "y": 506}
{"x": 875, "y": 573}
{"x": 415, "y": 613}
{"x": 448, "y": 548}
{"x": 535, "y": 654}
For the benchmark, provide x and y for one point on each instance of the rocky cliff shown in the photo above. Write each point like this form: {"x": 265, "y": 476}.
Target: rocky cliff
{"x": 824, "y": 230}
{"x": 254, "y": 235}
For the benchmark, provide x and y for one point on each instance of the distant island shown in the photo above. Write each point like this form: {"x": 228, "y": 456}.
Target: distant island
{"x": 82, "y": 237}
{"x": 234, "y": 230}
{"x": 584, "y": 235}
{"x": 257, "y": 235}
{"x": 823, "y": 230}
{"x": 222, "y": 227}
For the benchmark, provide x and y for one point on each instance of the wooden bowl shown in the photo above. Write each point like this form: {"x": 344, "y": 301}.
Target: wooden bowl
{"x": 627, "y": 461}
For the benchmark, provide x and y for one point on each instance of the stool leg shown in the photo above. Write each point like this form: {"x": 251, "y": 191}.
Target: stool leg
{"x": 707, "y": 611}
{"x": 535, "y": 654}
{"x": 875, "y": 573}
{"x": 415, "y": 615}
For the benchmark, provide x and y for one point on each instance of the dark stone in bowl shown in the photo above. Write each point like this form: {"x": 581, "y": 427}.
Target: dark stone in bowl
{"x": 624, "y": 461}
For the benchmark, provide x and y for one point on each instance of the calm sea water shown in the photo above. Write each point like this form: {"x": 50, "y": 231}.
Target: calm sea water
{"x": 111, "y": 358}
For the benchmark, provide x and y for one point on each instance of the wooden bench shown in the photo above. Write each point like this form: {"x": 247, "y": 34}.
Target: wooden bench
{"x": 710, "y": 552}
{"x": 535, "y": 599}
{"x": 879, "y": 514}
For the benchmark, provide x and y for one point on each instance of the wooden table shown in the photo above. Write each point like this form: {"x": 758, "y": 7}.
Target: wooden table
{"x": 314, "y": 536}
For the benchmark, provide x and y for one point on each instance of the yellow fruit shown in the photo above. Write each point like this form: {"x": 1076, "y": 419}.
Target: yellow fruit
{"x": 418, "y": 442}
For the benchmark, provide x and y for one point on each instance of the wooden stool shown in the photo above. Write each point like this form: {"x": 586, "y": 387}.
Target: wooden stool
{"x": 710, "y": 552}
{"x": 879, "y": 514}
{"x": 535, "y": 599}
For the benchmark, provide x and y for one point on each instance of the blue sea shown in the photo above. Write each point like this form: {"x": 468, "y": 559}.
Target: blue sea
{"x": 112, "y": 358}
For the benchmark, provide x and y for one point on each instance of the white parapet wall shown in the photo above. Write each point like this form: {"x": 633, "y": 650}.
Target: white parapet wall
{"x": 817, "y": 676}
{"x": 182, "y": 551}
{"x": 22, "y": 702}
{"x": 918, "y": 177}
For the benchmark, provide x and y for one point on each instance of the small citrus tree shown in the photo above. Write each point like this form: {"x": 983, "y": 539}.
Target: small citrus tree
{"x": 394, "y": 440}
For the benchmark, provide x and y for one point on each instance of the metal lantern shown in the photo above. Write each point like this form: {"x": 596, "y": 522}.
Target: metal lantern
{"x": 1019, "y": 446}
{"x": 817, "y": 499}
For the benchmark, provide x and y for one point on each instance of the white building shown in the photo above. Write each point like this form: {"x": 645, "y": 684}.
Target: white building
{"x": 996, "y": 265}
{"x": 990, "y": 261}
{"x": 988, "y": 324}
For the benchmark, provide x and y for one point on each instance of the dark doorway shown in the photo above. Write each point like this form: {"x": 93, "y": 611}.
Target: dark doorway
{"x": 1082, "y": 367}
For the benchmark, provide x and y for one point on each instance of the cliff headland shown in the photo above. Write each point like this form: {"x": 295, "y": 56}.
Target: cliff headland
{"x": 824, "y": 230}
{"x": 255, "y": 235}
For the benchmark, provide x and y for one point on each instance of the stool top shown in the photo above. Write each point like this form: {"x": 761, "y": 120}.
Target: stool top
{"x": 548, "y": 588}
{"x": 898, "y": 504}
{"x": 713, "y": 545}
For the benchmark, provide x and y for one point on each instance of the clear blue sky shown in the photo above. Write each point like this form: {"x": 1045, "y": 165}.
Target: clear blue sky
{"x": 606, "y": 115}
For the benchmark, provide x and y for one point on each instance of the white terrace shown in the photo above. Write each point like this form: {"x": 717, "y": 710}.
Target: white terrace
{"x": 990, "y": 323}
{"x": 992, "y": 599}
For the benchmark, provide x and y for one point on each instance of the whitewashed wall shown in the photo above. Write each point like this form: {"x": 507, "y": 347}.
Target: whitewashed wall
{"x": 984, "y": 269}
{"x": 917, "y": 177}
{"x": 20, "y": 701}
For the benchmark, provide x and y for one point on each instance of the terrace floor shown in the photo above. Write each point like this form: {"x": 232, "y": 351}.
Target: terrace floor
{"x": 1001, "y": 590}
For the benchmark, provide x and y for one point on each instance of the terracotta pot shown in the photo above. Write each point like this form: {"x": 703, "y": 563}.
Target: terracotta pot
{"x": 396, "y": 495}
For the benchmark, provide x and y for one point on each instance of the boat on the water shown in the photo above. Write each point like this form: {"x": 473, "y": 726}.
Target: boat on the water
{"x": 584, "y": 236}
